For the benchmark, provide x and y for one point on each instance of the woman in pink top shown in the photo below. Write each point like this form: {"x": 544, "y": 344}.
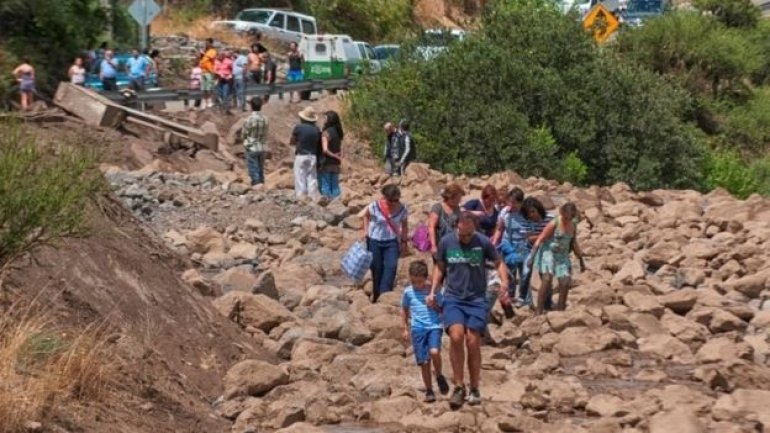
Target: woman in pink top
{"x": 223, "y": 68}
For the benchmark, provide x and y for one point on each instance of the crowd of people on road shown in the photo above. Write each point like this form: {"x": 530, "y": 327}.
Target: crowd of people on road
{"x": 223, "y": 76}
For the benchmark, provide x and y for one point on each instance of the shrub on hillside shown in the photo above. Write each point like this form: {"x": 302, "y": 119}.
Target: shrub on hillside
{"x": 530, "y": 91}
{"x": 726, "y": 169}
{"x": 43, "y": 190}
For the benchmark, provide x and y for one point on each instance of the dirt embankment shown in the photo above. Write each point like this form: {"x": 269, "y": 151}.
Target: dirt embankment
{"x": 169, "y": 346}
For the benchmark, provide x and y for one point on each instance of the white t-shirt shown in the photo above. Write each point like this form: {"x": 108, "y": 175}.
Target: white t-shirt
{"x": 77, "y": 74}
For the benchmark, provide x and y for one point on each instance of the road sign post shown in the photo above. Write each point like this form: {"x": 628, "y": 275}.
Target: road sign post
{"x": 601, "y": 22}
{"x": 144, "y": 12}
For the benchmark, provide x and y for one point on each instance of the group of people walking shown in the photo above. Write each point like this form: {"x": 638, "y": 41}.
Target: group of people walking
{"x": 318, "y": 151}
{"x": 504, "y": 233}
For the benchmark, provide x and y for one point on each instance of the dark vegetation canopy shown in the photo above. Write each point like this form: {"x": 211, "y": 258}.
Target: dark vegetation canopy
{"x": 681, "y": 102}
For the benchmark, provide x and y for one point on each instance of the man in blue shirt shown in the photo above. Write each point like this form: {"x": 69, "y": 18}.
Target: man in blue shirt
{"x": 239, "y": 75}
{"x": 138, "y": 67}
{"x": 461, "y": 258}
{"x": 108, "y": 72}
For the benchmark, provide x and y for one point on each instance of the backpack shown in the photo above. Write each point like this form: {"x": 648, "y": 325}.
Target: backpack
{"x": 421, "y": 238}
{"x": 402, "y": 146}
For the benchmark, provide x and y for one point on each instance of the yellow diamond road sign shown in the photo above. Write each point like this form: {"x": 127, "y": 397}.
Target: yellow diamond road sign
{"x": 601, "y": 22}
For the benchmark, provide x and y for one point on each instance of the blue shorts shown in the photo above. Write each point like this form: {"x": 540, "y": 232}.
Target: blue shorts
{"x": 294, "y": 76}
{"x": 423, "y": 340}
{"x": 471, "y": 313}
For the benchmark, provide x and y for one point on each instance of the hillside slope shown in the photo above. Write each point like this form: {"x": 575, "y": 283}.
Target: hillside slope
{"x": 169, "y": 345}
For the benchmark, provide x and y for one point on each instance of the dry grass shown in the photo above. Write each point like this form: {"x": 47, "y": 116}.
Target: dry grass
{"x": 41, "y": 369}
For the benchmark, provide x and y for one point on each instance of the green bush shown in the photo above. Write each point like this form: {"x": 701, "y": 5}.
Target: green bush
{"x": 368, "y": 20}
{"x": 50, "y": 33}
{"x": 43, "y": 190}
{"x": 530, "y": 91}
{"x": 760, "y": 169}
{"x": 727, "y": 170}
{"x": 733, "y": 13}
{"x": 748, "y": 125}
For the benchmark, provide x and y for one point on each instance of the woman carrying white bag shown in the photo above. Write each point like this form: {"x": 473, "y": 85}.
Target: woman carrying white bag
{"x": 386, "y": 236}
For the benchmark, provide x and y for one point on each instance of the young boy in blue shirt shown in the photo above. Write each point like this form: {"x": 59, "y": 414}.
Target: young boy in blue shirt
{"x": 423, "y": 325}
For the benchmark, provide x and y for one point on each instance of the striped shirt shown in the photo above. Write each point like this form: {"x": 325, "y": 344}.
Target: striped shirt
{"x": 379, "y": 229}
{"x": 420, "y": 315}
{"x": 536, "y": 227}
{"x": 255, "y": 132}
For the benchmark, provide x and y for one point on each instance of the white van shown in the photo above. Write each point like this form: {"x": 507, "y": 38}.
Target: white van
{"x": 329, "y": 56}
{"x": 286, "y": 26}
{"x": 372, "y": 64}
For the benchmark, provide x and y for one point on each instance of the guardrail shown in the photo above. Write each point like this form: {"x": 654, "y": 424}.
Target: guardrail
{"x": 170, "y": 95}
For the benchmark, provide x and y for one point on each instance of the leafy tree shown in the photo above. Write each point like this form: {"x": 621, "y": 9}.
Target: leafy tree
{"x": 531, "y": 91}
{"x": 733, "y": 13}
{"x": 49, "y": 33}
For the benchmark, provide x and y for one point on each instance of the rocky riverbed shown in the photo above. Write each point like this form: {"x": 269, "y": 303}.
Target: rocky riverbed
{"x": 667, "y": 331}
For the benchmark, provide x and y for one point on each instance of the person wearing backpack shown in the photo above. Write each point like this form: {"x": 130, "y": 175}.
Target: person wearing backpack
{"x": 406, "y": 150}
{"x": 510, "y": 236}
{"x": 386, "y": 230}
{"x": 443, "y": 216}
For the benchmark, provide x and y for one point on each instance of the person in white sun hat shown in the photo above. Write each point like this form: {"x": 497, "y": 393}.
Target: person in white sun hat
{"x": 306, "y": 139}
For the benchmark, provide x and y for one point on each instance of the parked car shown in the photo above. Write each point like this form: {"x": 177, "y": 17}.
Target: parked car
{"x": 385, "y": 52}
{"x": 435, "y": 41}
{"x": 286, "y": 26}
{"x": 93, "y": 81}
{"x": 330, "y": 56}
{"x": 637, "y": 11}
{"x": 370, "y": 63}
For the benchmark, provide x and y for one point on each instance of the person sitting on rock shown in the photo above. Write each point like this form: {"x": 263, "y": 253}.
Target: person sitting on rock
{"x": 461, "y": 258}
{"x": 386, "y": 233}
{"x": 255, "y": 141}
{"x": 423, "y": 325}
{"x": 558, "y": 239}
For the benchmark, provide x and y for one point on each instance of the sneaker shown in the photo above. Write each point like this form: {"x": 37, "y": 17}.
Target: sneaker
{"x": 457, "y": 399}
{"x": 443, "y": 386}
{"x": 474, "y": 397}
{"x": 430, "y": 397}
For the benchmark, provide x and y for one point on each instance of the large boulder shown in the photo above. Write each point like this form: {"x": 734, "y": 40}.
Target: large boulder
{"x": 667, "y": 347}
{"x": 743, "y": 404}
{"x": 256, "y": 311}
{"x": 641, "y": 303}
{"x": 236, "y": 279}
{"x": 677, "y": 420}
{"x": 579, "y": 341}
{"x": 253, "y": 378}
{"x": 679, "y": 301}
{"x": 631, "y": 271}
{"x": 724, "y": 350}
{"x": 751, "y": 285}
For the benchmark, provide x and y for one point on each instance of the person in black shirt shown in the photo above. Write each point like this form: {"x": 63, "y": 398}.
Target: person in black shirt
{"x": 270, "y": 69}
{"x": 306, "y": 138}
{"x": 331, "y": 156}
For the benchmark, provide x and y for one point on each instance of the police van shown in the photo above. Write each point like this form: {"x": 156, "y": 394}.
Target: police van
{"x": 330, "y": 56}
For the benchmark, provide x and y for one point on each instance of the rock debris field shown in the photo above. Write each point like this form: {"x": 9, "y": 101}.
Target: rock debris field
{"x": 667, "y": 331}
